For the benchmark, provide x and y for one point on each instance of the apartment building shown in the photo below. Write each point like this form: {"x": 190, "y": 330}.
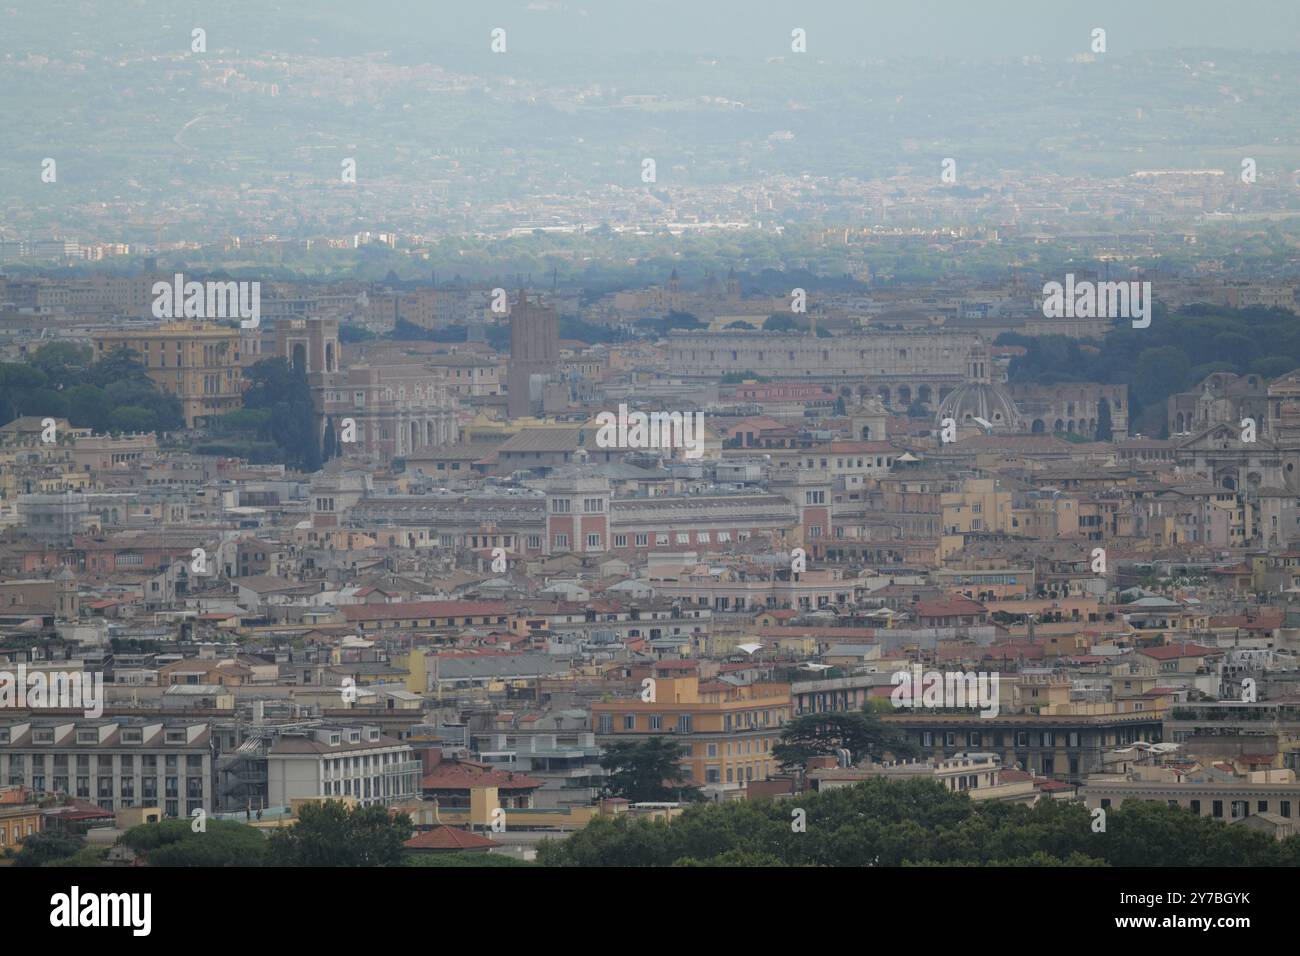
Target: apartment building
{"x": 1216, "y": 792}
{"x": 117, "y": 762}
{"x": 726, "y": 732}
{"x": 341, "y": 761}
{"x": 1064, "y": 747}
{"x": 20, "y": 817}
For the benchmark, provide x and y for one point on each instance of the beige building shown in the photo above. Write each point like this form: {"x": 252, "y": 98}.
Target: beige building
{"x": 198, "y": 362}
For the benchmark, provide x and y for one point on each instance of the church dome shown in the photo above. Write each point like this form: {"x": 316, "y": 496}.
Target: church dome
{"x": 981, "y": 400}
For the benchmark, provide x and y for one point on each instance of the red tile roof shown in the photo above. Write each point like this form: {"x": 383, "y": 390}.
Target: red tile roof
{"x": 462, "y": 775}
{"x": 951, "y": 607}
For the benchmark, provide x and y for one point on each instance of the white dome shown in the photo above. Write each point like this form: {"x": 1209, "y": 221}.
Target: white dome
{"x": 981, "y": 400}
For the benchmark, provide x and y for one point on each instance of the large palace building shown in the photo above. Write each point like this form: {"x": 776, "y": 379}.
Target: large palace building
{"x": 898, "y": 366}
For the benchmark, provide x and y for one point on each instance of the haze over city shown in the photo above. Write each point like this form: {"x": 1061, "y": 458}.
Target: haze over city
{"x": 649, "y": 434}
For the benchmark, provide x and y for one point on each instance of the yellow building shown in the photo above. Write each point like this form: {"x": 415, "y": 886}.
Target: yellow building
{"x": 18, "y": 821}
{"x": 980, "y": 506}
{"x": 197, "y": 362}
{"x": 726, "y": 732}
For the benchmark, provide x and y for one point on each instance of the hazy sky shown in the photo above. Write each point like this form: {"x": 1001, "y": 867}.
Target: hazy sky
{"x": 957, "y": 28}
{"x": 836, "y": 28}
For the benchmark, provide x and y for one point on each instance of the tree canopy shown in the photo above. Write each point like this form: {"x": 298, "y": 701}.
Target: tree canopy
{"x": 916, "y": 822}
{"x": 277, "y": 422}
{"x": 330, "y": 834}
{"x": 646, "y": 771}
{"x": 860, "y": 732}
{"x": 114, "y": 394}
{"x": 174, "y": 842}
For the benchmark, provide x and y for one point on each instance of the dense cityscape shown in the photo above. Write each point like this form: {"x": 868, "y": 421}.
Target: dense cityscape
{"x": 477, "y": 458}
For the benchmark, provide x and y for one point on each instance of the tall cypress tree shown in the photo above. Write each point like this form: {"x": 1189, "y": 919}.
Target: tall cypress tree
{"x": 1105, "y": 429}
{"x": 329, "y": 447}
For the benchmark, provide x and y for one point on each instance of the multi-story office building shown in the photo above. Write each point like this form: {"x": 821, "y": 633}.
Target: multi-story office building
{"x": 116, "y": 762}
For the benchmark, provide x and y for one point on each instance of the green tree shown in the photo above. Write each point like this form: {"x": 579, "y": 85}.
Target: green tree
{"x": 329, "y": 445}
{"x": 61, "y": 360}
{"x": 1160, "y": 373}
{"x": 173, "y": 842}
{"x": 646, "y": 771}
{"x": 781, "y": 322}
{"x": 281, "y": 390}
{"x": 43, "y": 849}
{"x": 349, "y": 333}
{"x": 860, "y": 732}
{"x": 916, "y": 822}
{"x": 682, "y": 320}
{"x": 117, "y": 365}
{"x": 132, "y": 418}
{"x": 329, "y": 834}
{"x": 1105, "y": 427}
